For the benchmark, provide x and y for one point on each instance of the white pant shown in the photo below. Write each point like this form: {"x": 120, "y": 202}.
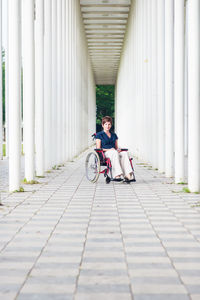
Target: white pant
{"x": 120, "y": 162}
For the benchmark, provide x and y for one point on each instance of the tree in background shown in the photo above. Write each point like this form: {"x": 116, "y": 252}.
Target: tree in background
{"x": 105, "y": 103}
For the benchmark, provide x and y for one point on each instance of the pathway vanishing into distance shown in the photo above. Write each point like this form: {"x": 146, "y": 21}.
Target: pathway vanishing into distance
{"x": 66, "y": 238}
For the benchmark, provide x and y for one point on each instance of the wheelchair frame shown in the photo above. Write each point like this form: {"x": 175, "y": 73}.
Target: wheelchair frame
{"x": 101, "y": 160}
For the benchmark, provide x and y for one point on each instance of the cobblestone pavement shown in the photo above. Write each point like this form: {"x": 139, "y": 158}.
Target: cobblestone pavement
{"x": 66, "y": 238}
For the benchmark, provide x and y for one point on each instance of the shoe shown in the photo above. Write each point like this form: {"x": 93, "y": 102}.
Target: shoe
{"x": 129, "y": 180}
{"x": 117, "y": 179}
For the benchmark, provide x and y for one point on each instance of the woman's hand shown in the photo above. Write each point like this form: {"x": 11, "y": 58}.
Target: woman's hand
{"x": 119, "y": 150}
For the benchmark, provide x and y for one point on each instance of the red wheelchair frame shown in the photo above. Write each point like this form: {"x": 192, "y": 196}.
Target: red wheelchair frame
{"x": 99, "y": 159}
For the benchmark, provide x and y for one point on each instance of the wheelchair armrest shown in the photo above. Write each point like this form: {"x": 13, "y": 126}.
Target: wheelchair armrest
{"x": 98, "y": 149}
{"x": 124, "y": 149}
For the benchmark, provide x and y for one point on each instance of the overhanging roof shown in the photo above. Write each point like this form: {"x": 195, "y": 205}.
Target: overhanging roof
{"x": 105, "y": 24}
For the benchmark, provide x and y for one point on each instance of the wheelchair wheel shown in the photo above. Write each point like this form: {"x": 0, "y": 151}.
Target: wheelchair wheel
{"x": 92, "y": 166}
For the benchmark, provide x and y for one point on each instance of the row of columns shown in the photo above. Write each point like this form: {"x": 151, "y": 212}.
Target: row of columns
{"x": 58, "y": 86}
{"x": 1, "y": 91}
{"x": 159, "y": 79}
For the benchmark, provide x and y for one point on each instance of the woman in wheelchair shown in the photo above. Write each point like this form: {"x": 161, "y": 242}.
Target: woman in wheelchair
{"x": 122, "y": 168}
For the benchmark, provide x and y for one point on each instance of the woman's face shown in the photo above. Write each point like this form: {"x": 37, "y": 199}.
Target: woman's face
{"x": 106, "y": 126}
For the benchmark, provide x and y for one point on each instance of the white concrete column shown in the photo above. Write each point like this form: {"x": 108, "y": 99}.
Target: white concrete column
{"x": 1, "y": 102}
{"x": 48, "y": 83}
{"x": 161, "y": 83}
{"x": 59, "y": 81}
{"x": 6, "y": 87}
{"x": 70, "y": 115}
{"x": 169, "y": 68}
{"x": 39, "y": 87}
{"x": 149, "y": 102}
{"x": 154, "y": 84}
{"x": 73, "y": 125}
{"x": 69, "y": 60}
{"x": 146, "y": 92}
{"x": 179, "y": 90}
{"x": 194, "y": 95}
{"x": 54, "y": 82}
{"x": 63, "y": 81}
{"x": 14, "y": 39}
{"x": 67, "y": 82}
{"x": 29, "y": 88}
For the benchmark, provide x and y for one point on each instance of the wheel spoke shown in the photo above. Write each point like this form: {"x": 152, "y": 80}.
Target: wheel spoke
{"x": 92, "y": 166}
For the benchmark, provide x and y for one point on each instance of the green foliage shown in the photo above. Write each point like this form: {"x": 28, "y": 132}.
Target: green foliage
{"x": 55, "y": 167}
{"x": 105, "y": 105}
{"x": 196, "y": 204}
{"x": 186, "y": 190}
{"x": 21, "y": 190}
{"x": 25, "y": 181}
{"x": 4, "y": 149}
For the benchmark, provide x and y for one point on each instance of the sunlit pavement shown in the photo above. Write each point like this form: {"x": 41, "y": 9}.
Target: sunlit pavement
{"x": 66, "y": 238}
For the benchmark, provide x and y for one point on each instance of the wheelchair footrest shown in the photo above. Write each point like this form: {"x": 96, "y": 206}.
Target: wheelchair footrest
{"x": 108, "y": 179}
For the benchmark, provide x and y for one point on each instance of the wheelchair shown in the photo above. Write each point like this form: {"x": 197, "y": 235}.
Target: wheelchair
{"x": 97, "y": 159}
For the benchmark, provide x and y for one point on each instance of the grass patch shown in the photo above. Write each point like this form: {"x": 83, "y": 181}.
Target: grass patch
{"x": 4, "y": 149}
{"x": 21, "y": 190}
{"x": 55, "y": 168}
{"x": 196, "y": 204}
{"x": 156, "y": 169}
{"x": 49, "y": 171}
{"x": 40, "y": 176}
{"x": 59, "y": 166}
{"x": 186, "y": 190}
{"x": 30, "y": 182}
{"x": 182, "y": 183}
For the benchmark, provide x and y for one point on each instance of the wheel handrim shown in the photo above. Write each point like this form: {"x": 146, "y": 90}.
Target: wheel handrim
{"x": 92, "y": 165}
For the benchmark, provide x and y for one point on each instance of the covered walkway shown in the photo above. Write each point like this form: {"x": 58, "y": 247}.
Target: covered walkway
{"x": 66, "y": 238}
{"x": 150, "y": 51}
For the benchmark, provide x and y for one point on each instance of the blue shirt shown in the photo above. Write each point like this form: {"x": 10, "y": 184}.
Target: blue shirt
{"x": 106, "y": 142}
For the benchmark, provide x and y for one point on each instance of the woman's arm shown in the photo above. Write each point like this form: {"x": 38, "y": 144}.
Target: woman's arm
{"x": 98, "y": 143}
{"x": 116, "y": 146}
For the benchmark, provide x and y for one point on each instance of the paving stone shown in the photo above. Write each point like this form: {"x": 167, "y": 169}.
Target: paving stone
{"x": 162, "y": 297}
{"x": 71, "y": 239}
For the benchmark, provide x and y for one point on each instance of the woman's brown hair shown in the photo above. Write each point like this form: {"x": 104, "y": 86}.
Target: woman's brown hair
{"x": 106, "y": 119}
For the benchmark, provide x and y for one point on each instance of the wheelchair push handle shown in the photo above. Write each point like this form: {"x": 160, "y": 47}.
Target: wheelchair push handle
{"x": 93, "y": 136}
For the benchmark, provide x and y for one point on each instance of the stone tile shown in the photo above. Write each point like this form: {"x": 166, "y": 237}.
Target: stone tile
{"x": 195, "y": 296}
{"x": 151, "y": 273}
{"x": 105, "y": 296}
{"x": 75, "y": 230}
{"x": 103, "y": 288}
{"x": 169, "y": 296}
{"x": 46, "y": 296}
